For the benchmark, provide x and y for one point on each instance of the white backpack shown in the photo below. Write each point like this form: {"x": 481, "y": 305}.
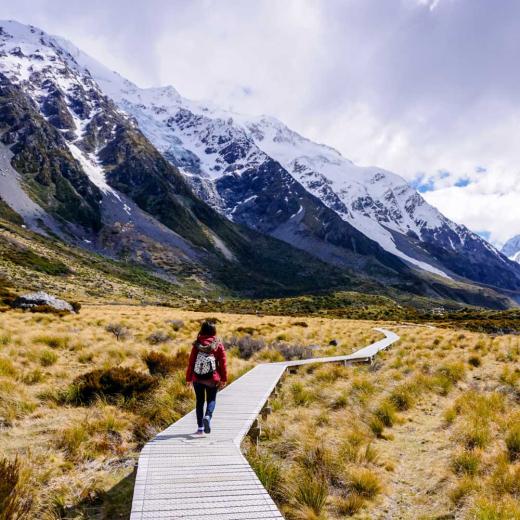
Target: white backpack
{"x": 205, "y": 363}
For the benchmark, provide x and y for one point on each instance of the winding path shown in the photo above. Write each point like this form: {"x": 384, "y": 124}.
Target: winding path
{"x": 180, "y": 475}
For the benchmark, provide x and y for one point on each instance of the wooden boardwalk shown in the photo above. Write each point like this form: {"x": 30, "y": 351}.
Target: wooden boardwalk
{"x": 180, "y": 475}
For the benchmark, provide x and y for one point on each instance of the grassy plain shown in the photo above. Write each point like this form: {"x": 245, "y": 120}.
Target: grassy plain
{"x": 72, "y": 458}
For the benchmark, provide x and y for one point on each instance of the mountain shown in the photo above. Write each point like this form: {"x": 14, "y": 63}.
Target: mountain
{"x": 512, "y": 249}
{"x": 246, "y": 169}
{"x": 76, "y": 167}
{"x": 196, "y": 193}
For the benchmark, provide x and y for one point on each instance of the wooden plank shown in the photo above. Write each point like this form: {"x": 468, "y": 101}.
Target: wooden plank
{"x": 182, "y": 475}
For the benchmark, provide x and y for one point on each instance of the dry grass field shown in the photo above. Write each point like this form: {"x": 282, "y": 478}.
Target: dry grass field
{"x": 430, "y": 431}
{"x": 69, "y": 453}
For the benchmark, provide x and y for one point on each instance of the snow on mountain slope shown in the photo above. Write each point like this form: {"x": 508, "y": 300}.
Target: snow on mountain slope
{"x": 206, "y": 143}
{"x": 512, "y": 249}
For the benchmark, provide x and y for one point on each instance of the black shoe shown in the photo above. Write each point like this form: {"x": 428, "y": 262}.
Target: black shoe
{"x": 207, "y": 427}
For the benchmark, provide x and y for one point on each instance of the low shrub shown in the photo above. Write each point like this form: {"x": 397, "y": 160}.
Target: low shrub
{"x": 246, "y": 346}
{"x": 158, "y": 337}
{"x": 48, "y": 309}
{"x": 111, "y": 383}
{"x": 176, "y": 325}
{"x": 292, "y": 352}
{"x": 303, "y": 324}
{"x": 76, "y": 306}
{"x": 118, "y": 330}
{"x": 164, "y": 365}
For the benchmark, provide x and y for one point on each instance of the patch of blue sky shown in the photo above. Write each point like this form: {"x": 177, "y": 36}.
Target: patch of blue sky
{"x": 462, "y": 183}
{"x": 423, "y": 184}
{"x": 486, "y": 235}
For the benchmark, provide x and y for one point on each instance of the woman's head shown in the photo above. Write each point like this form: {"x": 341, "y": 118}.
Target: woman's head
{"x": 208, "y": 328}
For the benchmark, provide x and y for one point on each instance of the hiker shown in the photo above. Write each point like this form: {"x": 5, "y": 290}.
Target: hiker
{"x": 208, "y": 372}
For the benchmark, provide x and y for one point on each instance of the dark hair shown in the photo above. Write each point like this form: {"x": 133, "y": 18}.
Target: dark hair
{"x": 208, "y": 328}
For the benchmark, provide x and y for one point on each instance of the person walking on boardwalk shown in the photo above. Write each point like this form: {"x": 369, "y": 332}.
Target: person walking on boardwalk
{"x": 207, "y": 371}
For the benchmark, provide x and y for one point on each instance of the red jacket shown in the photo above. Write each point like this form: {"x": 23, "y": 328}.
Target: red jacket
{"x": 220, "y": 356}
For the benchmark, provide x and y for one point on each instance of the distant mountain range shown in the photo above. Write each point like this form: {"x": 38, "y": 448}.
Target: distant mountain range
{"x": 192, "y": 190}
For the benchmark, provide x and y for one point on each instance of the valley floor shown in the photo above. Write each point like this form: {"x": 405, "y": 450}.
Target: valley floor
{"x": 430, "y": 430}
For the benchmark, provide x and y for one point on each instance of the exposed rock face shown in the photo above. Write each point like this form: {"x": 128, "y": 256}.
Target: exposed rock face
{"x": 26, "y": 301}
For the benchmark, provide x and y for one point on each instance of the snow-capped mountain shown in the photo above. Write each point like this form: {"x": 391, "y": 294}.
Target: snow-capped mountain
{"x": 512, "y": 249}
{"x": 94, "y": 158}
{"x": 217, "y": 150}
{"x": 74, "y": 165}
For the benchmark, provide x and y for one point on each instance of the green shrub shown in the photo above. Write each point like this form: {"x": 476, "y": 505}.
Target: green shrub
{"x": 158, "y": 337}
{"x": 163, "y": 365}
{"x": 110, "y": 383}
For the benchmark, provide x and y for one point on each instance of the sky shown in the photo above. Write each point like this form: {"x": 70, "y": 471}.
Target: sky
{"x": 428, "y": 89}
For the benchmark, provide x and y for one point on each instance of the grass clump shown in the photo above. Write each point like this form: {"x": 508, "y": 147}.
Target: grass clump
{"x": 48, "y": 358}
{"x": 364, "y": 482}
{"x": 466, "y": 463}
{"x": 16, "y": 498}
{"x": 386, "y": 413}
{"x": 513, "y": 442}
{"x": 268, "y": 470}
{"x": 112, "y": 383}
{"x": 310, "y": 490}
{"x": 402, "y": 397}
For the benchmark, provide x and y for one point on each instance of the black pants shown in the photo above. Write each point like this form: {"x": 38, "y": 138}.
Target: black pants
{"x": 205, "y": 393}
